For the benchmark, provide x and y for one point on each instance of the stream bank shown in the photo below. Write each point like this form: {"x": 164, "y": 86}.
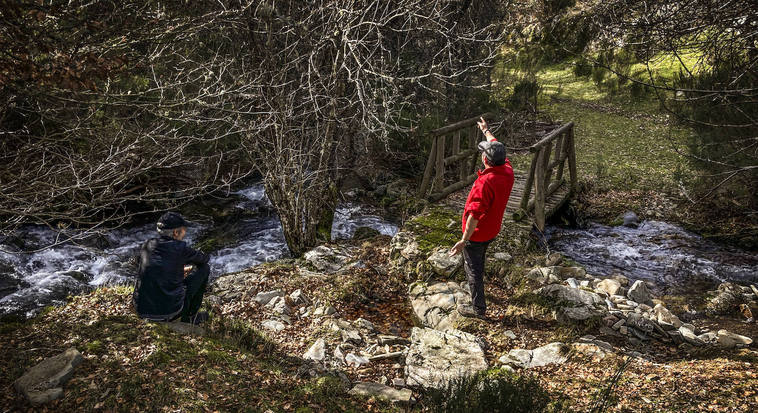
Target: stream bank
{"x": 243, "y": 232}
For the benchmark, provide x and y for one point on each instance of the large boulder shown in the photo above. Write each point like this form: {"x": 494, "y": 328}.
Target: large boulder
{"x": 435, "y": 305}
{"x": 43, "y": 382}
{"x": 435, "y": 357}
{"x": 443, "y": 264}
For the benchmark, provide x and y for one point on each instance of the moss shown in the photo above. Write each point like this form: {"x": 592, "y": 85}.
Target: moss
{"x": 94, "y": 347}
{"x": 433, "y": 228}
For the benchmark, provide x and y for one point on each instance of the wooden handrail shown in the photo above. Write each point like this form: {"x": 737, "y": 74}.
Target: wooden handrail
{"x": 550, "y": 136}
{"x": 461, "y": 155}
{"x": 458, "y": 125}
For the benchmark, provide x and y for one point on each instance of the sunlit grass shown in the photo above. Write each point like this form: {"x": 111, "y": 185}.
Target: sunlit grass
{"x": 622, "y": 141}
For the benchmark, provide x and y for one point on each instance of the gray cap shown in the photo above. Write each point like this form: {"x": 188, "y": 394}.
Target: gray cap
{"x": 494, "y": 151}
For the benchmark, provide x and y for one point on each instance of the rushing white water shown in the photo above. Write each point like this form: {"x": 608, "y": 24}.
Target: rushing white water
{"x": 30, "y": 281}
{"x": 672, "y": 258}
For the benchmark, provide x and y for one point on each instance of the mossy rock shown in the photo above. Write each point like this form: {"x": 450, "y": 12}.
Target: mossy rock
{"x": 436, "y": 227}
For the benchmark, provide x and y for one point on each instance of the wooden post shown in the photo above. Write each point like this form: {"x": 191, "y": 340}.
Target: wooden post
{"x": 475, "y": 158}
{"x": 464, "y": 169}
{"x": 539, "y": 190}
{"x": 440, "y": 165}
{"x": 528, "y": 184}
{"x": 428, "y": 170}
{"x": 564, "y": 151}
{"x": 456, "y": 137}
{"x": 572, "y": 160}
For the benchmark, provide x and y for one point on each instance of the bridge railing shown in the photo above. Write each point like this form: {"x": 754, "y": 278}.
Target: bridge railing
{"x": 454, "y": 149}
{"x": 550, "y": 154}
{"x": 462, "y": 140}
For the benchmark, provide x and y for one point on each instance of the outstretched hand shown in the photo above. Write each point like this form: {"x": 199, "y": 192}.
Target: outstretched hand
{"x": 482, "y": 124}
{"x": 457, "y": 248}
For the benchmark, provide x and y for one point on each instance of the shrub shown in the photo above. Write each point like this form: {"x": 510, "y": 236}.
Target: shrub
{"x": 491, "y": 391}
{"x": 582, "y": 68}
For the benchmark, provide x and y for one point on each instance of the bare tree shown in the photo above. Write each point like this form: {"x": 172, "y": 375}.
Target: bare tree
{"x": 188, "y": 100}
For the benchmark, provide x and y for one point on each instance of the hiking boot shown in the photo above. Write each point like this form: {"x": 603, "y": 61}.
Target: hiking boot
{"x": 468, "y": 310}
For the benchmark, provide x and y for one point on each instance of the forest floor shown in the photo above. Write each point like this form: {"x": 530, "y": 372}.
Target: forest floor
{"x": 133, "y": 365}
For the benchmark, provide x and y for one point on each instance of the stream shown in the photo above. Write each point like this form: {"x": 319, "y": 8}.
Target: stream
{"x": 31, "y": 281}
{"x": 671, "y": 259}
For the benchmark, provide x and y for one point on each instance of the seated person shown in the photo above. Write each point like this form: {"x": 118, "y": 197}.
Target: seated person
{"x": 164, "y": 290}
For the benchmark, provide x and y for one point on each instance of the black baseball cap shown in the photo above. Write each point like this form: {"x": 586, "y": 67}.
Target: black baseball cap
{"x": 494, "y": 151}
{"x": 172, "y": 220}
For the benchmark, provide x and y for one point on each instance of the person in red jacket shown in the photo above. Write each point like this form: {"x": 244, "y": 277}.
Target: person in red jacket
{"x": 483, "y": 217}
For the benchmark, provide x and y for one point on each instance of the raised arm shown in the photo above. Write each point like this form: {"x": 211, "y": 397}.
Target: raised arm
{"x": 485, "y": 129}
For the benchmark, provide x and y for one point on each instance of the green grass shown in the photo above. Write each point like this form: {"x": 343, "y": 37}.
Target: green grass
{"x": 622, "y": 142}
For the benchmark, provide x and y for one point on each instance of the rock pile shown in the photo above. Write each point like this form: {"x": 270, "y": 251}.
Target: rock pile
{"x": 634, "y": 313}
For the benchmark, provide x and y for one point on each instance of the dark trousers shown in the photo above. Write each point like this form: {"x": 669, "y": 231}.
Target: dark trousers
{"x": 473, "y": 264}
{"x": 195, "y": 284}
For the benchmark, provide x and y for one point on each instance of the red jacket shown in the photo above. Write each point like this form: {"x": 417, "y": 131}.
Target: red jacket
{"x": 487, "y": 200}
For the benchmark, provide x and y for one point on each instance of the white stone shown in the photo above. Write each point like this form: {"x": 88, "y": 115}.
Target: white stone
{"x": 640, "y": 294}
{"x": 443, "y": 264}
{"x": 729, "y": 340}
{"x": 435, "y": 305}
{"x": 299, "y": 298}
{"x": 435, "y": 357}
{"x": 543, "y": 275}
{"x": 264, "y": 298}
{"x": 279, "y": 305}
{"x": 382, "y": 391}
{"x": 273, "y": 325}
{"x": 326, "y": 259}
{"x": 609, "y": 286}
{"x": 503, "y": 256}
{"x": 317, "y": 351}
{"x": 553, "y": 353}
{"x": 355, "y": 360}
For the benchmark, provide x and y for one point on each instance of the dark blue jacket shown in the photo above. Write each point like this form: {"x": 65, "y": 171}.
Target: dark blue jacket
{"x": 159, "y": 292}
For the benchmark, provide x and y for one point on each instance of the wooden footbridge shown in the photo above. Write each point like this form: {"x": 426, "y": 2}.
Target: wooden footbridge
{"x": 537, "y": 193}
